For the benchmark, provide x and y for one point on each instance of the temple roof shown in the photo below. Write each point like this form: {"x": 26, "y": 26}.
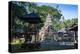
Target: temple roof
{"x": 74, "y": 28}
{"x": 31, "y": 18}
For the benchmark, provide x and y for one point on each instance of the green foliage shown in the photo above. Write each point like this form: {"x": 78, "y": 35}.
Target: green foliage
{"x": 66, "y": 24}
{"x": 69, "y": 22}
{"x": 19, "y": 9}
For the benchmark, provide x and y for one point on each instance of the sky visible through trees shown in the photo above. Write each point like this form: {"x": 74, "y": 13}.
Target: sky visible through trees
{"x": 68, "y": 11}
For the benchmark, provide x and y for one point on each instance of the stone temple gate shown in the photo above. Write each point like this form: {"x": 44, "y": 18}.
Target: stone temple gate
{"x": 46, "y": 32}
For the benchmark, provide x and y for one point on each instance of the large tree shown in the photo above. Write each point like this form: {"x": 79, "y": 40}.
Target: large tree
{"x": 20, "y": 8}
